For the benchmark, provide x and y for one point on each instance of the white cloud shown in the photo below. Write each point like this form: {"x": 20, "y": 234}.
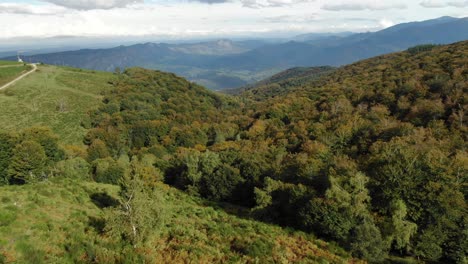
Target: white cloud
{"x": 284, "y": 2}
{"x": 433, "y": 4}
{"x": 22, "y": 9}
{"x": 187, "y": 18}
{"x": 292, "y": 19}
{"x": 442, "y": 4}
{"x": 93, "y": 4}
{"x": 460, "y": 4}
{"x": 363, "y": 5}
{"x": 258, "y": 3}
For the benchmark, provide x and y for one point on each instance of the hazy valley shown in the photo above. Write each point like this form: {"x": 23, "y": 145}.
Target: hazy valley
{"x": 227, "y": 64}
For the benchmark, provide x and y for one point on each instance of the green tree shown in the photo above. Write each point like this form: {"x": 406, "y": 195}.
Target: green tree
{"x": 140, "y": 213}
{"x": 7, "y": 143}
{"x": 107, "y": 171}
{"x": 400, "y": 229}
{"x": 76, "y": 168}
{"x": 326, "y": 219}
{"x": 97, "y": 150}
{"x": 221, "y": 183}
{"x": 367, "y": 242}
{"x": 349, "y": 193}
{"x": 429, "y": 244}
{"x": 47, "y": 139}
{"x": 28, "y": 163}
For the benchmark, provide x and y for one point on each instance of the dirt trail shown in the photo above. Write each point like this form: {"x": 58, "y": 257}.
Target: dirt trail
{"x": 19, "y": 77}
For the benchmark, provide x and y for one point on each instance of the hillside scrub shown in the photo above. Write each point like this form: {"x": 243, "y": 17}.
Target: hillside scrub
{"x": 74, "y": 221}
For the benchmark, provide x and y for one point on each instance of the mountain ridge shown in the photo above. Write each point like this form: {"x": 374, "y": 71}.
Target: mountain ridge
{"x": 213, "y": 64}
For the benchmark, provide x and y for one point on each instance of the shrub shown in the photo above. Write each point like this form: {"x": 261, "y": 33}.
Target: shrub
{"x": 97, "y": 150}
{"x": 47, "y": 139}
{"x": 76, "y": 168}
{"x": 28, "y": 164}
{"x": 220, "y": 184}
{"x": 107, "y": 171}
{"x": 367, "y": 242}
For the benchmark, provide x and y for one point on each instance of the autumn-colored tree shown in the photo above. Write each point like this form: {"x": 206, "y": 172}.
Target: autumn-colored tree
{"x": 97, "y": 150}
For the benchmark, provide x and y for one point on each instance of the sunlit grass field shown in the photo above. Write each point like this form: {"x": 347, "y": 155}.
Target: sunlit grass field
{"x": 9, "y": 73}
{"x": 7, "y": 63}
{"x": 56, "y": 97}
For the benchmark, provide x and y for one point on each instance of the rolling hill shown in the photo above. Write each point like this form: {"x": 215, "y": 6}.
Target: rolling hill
{"x": 371, "y": 156}
{"x": 57, "y": 97}
{"x": 280, "y": 83}
{"x": 63, "y": 217}
{"x": 189, "y": 60}
{"x": 228, "y": 64}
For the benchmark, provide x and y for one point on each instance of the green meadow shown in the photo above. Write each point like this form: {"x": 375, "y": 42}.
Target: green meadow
{"x": 55, "y": 97}
{"x": 9, "y": 73}
{"x": 8, "y": 63}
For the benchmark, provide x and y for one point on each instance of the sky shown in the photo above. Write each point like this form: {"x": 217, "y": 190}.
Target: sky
{"x": 211, "y": 18}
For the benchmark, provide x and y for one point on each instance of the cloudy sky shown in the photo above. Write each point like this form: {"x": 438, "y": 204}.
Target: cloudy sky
{"x": 195, "y": 18}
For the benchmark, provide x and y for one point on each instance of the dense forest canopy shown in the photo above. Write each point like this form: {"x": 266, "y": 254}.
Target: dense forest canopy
{"x": 371, "y": 155}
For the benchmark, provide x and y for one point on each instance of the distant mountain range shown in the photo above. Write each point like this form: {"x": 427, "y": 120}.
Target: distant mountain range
{"x": 227, "y": 64}
{"x": 345, "y": 50}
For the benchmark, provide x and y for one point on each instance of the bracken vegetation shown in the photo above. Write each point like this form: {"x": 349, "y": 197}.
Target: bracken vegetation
{"x": 371, "y": 156}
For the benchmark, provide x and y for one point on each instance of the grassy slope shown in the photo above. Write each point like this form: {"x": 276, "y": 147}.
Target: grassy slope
{"x": 41, "y": 219}
{"x": 54, "y": 97}
{"x": 52, "y": 222}
{"x": 2, "y": 63}
{"x": 8, "y": 74}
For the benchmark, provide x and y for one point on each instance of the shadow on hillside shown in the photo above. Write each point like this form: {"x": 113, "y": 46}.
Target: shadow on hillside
{"x": 232, "y": 209}
{"x": 97, "y": 223}
{"x": 103, "y": 200}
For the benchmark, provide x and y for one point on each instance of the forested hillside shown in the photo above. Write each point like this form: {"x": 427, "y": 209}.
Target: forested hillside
{"x": 371, "y": 156}
{"x": 282, "y": 83}
{"x": 55, "y": 205}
